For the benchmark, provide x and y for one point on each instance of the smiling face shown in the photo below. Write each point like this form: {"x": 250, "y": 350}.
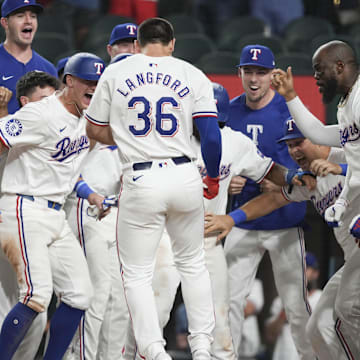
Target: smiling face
{"x": 21, "y": 26}
{"x": 303, "y": 152}
{"x": 325, "y": 75}
{"x": 256, "y": 82}
{"x": 81, "y": 91}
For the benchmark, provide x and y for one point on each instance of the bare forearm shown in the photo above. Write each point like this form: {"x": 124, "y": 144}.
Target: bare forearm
{"x": 101, "y": 134}
{"x": 278, "y": 175}
{"x": 263, "y": 204}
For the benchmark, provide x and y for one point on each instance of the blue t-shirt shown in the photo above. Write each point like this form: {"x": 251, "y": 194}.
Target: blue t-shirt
{"x": 11, "y": 70}
{"x": 265, "y": 127}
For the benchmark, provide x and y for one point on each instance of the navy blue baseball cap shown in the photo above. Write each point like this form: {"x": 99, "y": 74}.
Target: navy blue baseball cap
{"x": 257, "y": 55}
{"x": 222, "y": 102}
{"x": 122, "y": 32}
{"x": 311, "y": 260}
{"x": 291, "y": 131}
{"x": 9, "y": 6}
{"x": 61, "y": 64}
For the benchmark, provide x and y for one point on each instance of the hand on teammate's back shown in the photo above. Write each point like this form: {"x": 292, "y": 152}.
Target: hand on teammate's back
{"x": 236, "y": 185}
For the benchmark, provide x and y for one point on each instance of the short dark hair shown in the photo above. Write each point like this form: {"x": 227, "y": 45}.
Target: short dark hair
{"x": 155, "y": 30}
{"x": 27, "y": 84}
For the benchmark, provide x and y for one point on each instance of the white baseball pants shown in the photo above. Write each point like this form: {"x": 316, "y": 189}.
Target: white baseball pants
{"x": 102, "y": 330}
{"x": 244, "y": 250}
{"x": 167, "y": 195}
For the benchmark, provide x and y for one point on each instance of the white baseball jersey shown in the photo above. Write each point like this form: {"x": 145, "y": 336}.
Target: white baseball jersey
{"x": 133, "y": 98}
{"x": 102, "y": 169}
{"x": 239, "y": 156}
{"x": 43, "y": 138}
{"x": 327, "y": 191}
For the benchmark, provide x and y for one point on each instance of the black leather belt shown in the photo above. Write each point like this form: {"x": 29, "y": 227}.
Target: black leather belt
{"x": 147, "y": 164}
{"x": 51, "y": 204}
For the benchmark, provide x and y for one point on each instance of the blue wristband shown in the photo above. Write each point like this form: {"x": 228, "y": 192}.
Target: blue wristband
{"x": 83, "y": 190}
{"x": 238, "y": 216}
{"x": 343, "y": 169}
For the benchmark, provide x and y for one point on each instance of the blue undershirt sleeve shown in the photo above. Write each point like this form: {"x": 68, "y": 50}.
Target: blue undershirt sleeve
{"x": 210, "y": 139}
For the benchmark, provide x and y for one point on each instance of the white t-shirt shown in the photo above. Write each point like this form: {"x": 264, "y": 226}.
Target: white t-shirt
{"x": 46, "y": 147}
{"x": 150, "y": 103}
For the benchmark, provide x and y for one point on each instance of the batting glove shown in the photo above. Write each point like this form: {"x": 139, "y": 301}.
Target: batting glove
{"x": 212, "y": 188}
{"x": 109, "y": 201}
{"x": 296, "y": 172}
{"x": 354, "y": 227}
{"x": 334, "y": 213}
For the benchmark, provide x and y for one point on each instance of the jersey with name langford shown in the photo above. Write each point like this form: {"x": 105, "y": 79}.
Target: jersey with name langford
{"x": 150, "y": 103}
{"x": 46, "y": 147}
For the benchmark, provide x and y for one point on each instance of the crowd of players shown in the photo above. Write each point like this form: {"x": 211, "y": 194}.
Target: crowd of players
{"x": 102, "y": 202}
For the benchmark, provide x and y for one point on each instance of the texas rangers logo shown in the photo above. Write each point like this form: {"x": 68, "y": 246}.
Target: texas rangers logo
{"x": 67, "y": 147}
{"x": 290, "y": 124}
{"x": 255, "y": 53}
{"x": 14, "y": 127}
{"x": 349, "y": 133}
{"x": 132, "y": 29}
{"x": 254, "y": 130}
{"x": 99, "y": 68}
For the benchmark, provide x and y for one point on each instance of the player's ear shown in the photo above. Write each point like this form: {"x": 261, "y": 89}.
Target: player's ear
{"x": 69, "y": 81}
{"x": 108, "y": 49}
{"x": 239, "y": 72}
{"x": 4, "y": 22}
{"x": 137, "y": 47}
{"x": 24, "y": 100}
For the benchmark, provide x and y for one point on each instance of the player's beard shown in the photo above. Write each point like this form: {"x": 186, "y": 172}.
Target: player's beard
{"x": 330, "y": 90}
{"x": 311, "y": 285}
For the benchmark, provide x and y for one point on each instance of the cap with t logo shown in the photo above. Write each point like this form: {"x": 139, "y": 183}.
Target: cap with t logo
{"x": 257, "y": 55}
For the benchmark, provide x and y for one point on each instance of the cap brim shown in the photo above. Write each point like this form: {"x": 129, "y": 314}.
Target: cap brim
{"x": 258, "y": 65}
{"x": 38, "y": 9}
{"x": 127, "y": 38}
{"x": 290, "y": 137}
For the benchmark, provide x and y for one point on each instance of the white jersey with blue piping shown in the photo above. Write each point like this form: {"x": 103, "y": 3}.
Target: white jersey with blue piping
{"x": 326, "y": 192}
{"x": 133, "y": 98}
{"x": 46, "y": 147}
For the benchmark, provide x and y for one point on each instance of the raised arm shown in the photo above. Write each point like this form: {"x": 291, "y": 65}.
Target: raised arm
{"x": 309, "y": 125}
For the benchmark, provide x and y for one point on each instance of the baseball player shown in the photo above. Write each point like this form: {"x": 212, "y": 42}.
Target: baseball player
{"x": 255, "y": 166}
{"x": 122, "y": 39}
{"x": 31, "y": 87}
{"x": 336, "y": 72}
{"x": 60, "y": 66}
{"x": 324, "y": 332}
{"x": 46, "y": 142}
{"x": 147, "y": 107}
{"x": 259, "y": 113}
{"x": 19, "y": 20}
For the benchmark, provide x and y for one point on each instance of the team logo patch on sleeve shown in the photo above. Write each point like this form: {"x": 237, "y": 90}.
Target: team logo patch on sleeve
{"x": 13, "y": 127}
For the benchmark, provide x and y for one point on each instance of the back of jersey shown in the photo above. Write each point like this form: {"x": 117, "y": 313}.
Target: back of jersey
{"x": 149, "y": 103}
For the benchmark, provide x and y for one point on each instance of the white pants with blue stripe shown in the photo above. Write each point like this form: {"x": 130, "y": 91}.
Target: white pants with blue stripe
{"x": 244, "y": 250}
{"x": 45, "y": 253}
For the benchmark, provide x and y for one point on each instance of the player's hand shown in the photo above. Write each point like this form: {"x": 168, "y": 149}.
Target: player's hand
{"x": 212, "y": 186}
{"x": 322, "y": 167}
{"x": 237, "y": 183}
{"x": 301, "y": 178}
{"x": 5, "y": 96}
{"x": 334, "y": 213}
{"x": 267, "y": 186}
{"x": 354, "y": 228}
{"x": 219, "y": 225}
{"x": 283, "y": 83}
{"x": 98, "y": 200}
